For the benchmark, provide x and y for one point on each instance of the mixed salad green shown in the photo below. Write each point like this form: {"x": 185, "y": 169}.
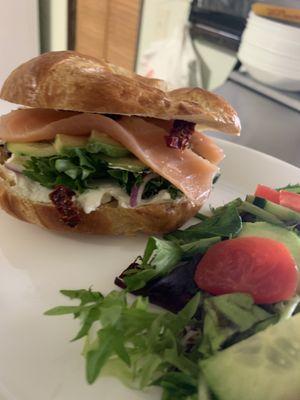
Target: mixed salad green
{"x": 179, "y": 347}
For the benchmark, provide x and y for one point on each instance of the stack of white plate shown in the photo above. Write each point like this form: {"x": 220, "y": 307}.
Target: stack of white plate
{"x": 270, "y": 51}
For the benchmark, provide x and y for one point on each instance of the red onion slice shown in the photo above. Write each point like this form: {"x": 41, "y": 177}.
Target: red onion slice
{"x": 137, "y": 191}
{"x": 133, "y": 196}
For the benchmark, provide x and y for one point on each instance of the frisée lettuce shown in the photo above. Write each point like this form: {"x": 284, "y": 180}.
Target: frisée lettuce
{"x": 147, "y": 348}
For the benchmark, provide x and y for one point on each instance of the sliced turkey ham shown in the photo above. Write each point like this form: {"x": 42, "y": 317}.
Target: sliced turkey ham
{"x": 34, "y": 124}
{"x": 201, "y": 144}
{"x": 189, "y": 172}
{"x": 186, "y": 170}
{"x": 207, "y": 148}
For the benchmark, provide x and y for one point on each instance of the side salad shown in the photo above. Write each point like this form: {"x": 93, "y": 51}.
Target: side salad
{"x": 228, "y": 289}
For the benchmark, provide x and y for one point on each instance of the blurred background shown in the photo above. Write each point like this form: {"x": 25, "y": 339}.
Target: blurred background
{"x": 250, "y": 57}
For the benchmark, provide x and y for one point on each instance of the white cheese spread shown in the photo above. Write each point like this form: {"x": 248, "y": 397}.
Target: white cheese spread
{"x": 90, "y": 200}
{"x": 30, "y": 189}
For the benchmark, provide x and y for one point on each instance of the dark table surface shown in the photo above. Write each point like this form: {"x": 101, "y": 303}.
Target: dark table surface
{"x": 267, "y": 126}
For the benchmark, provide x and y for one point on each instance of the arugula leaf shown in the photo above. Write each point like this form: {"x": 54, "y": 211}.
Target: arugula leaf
{"x": 85, "y": 296}
{"x": 53, "y": 171}
{"x": 160, "y": 257}
{"x": 199, "y": 246}
{"x": 86, "y": 310}
{"x": 110, "y": 342}
{"x": 63, "y": 310}
{"x": 88, "y": 319}
{"x": 233, "y": 203}
{"x": 95, "y": 359}
{"x": 111, "y": 308}
{"x": 85, "y": 159}
{"x": 161, "y": 253}
{"x": 136, "y": 279}
{"x": 225, "y": 223}
{"x": 78, "y": 170}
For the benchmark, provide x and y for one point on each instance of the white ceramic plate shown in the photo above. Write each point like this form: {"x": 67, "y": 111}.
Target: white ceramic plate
{"x": 37, "y": 362}
{"x": 270, "y": 75}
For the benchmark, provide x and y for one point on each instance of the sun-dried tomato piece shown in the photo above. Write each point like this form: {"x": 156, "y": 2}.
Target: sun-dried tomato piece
{"x": 62, "y": 198}
{"x": 180, "y": 135}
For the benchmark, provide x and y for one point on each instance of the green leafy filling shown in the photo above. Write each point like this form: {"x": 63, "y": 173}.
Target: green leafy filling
{"x": 82, "y": 170}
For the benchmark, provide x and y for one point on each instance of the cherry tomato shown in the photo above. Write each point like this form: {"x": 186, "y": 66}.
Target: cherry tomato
{"x": 267, "y": 193}
{"x": 290, "y": 200}
{"x": 261, "y": 267}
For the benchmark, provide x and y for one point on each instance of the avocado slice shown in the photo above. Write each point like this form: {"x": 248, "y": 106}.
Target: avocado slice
{"x": 36, "y": 149}
{"x": 102, "y": 143}
{"x": 263, "y": 229}
{"x": 264, "y": 366}
{"x": 65, "y": 144}
{"x": 131, "y": 164}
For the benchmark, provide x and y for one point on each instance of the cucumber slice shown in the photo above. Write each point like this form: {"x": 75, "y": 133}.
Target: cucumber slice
{"x": 260, "y": 213}
{"x": 265, "y": 366}
{"x": 283, "y": 213}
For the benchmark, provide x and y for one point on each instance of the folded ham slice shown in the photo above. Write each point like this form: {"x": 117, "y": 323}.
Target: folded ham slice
{"x": 189, "y": 172}
{"x": 207, "y": 148}
{"x": 36, "y": 124}
{"x": 186, "y": 170}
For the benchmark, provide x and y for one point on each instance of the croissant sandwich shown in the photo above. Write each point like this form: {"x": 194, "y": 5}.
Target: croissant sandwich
{"x": 98, "y": 149}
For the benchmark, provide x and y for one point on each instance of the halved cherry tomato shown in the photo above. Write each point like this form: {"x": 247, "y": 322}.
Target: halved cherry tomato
{"x": 267, "y": 193}
{"x": 290, "y": 200}
{"x": 261, "y": 267}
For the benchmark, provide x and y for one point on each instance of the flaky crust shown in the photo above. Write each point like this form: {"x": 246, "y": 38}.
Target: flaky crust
{"x": 109, "y": 219}
{"x": 68, "y": 80}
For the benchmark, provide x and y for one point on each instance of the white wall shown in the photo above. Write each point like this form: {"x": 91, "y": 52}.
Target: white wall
{"x": 19, "y": 36}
